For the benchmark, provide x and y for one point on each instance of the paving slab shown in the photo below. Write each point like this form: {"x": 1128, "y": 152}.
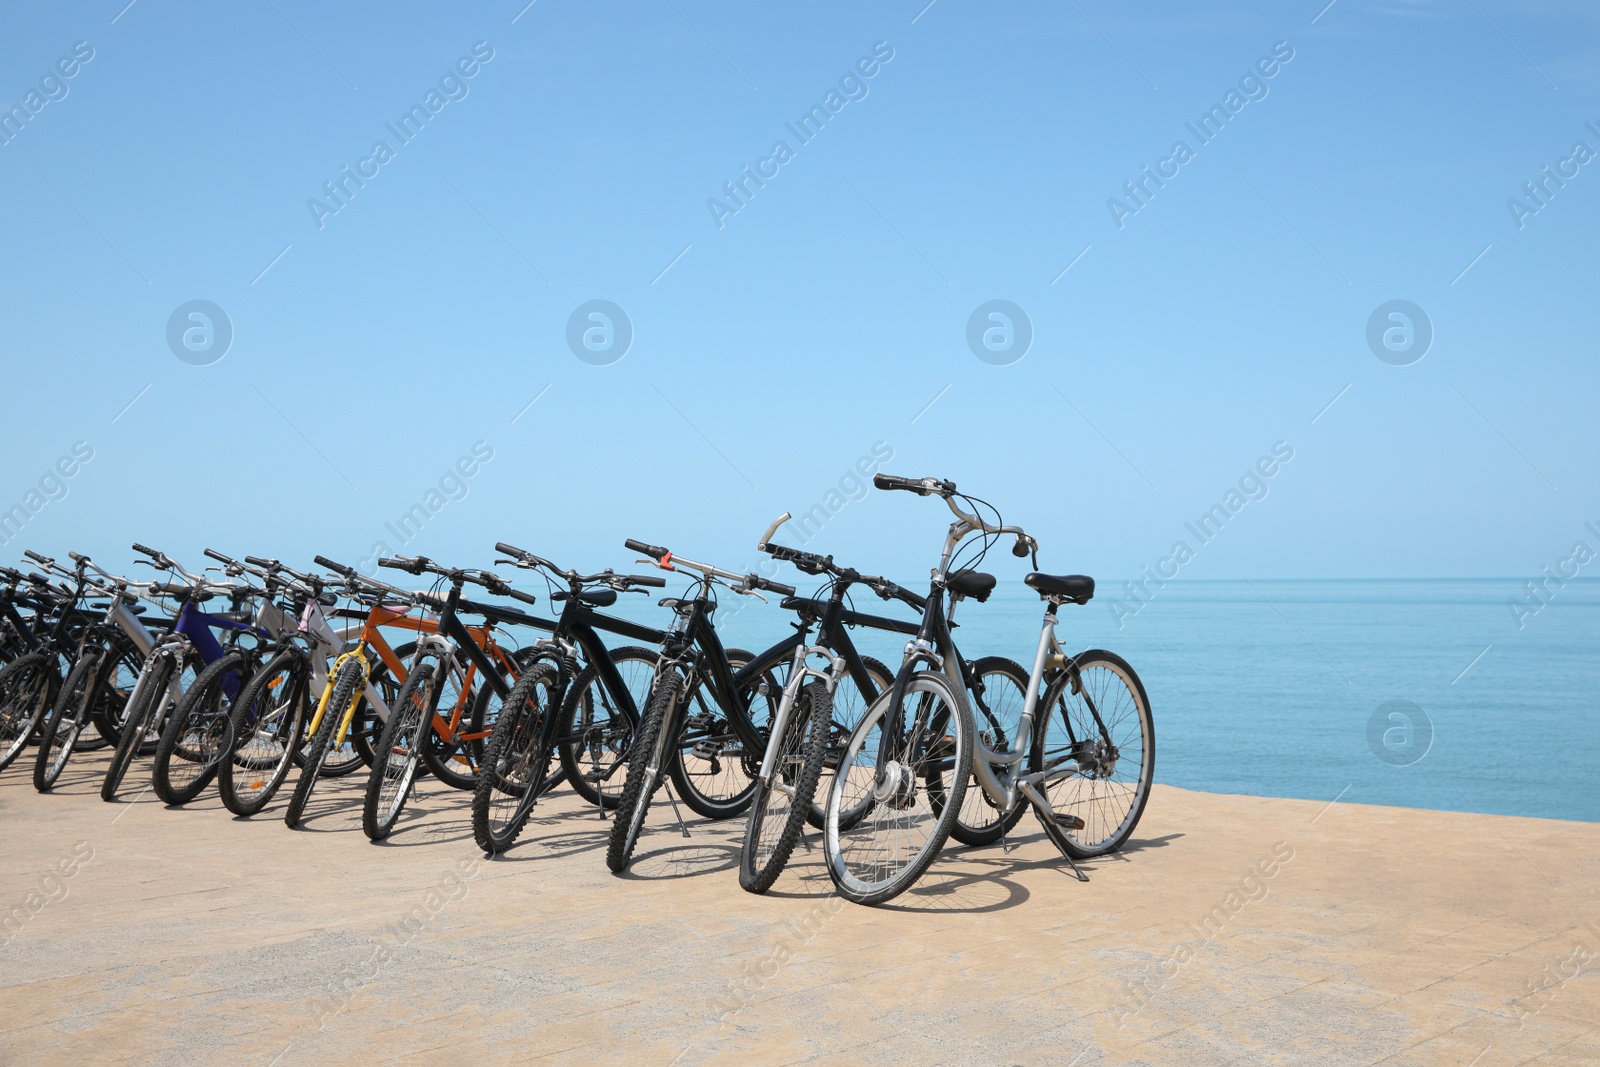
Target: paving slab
{"x": 1232, "y": 930}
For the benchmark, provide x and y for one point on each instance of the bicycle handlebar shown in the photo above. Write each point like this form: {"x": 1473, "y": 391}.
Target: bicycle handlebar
{"x": 655, "y": 552}
{"x": 920, "y": 486}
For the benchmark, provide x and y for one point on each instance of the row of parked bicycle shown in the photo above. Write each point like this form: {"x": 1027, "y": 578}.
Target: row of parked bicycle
{"x": 242, "y": 673}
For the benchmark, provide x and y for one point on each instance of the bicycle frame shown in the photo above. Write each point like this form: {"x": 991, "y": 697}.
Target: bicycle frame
{"x": 998, "y": 773}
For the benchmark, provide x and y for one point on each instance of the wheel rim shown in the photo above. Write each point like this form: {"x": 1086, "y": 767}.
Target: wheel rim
{"x": 887, "y": 838}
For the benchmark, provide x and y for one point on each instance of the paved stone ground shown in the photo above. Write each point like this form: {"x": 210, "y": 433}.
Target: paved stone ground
{"x": 1234, "y": 930}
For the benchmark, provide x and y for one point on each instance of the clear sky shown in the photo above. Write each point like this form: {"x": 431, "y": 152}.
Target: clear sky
{"x": 819, "y": 322}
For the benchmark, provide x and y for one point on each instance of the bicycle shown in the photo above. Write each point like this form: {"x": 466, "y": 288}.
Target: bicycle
{"x": 266, "y": 730}
{"x": 416, "y": 731}
{"x": 198, "y": 732}
{"x": 111, "y": 654}
{"x": 561, "y": 710}
{"x": 177, "y": 660}
{"x": 30, "y": 682}
{"x": 883, "y": 831}
{"x": 350, "y": 679}
{"x": 693, "y": 665}
{"x": 808, "y": 730}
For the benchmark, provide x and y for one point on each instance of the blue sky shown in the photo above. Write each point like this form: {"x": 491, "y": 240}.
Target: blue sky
{"x": 373, "y": 347}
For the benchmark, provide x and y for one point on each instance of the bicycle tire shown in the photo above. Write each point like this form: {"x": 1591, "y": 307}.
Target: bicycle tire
{"x": 979, "y": 822}
{"x": 643, "y": 781}
{"x": 800, "y": 754}
{"x": 591, "y": 749}
{"x": 268, "y": 730}
{"x": 72, "y": 709}
{"x": 148, "y": 702}
{"x": 849, "y": 705}
{"x": 28, "y": 685}
{"x": 389, "y": 783}
{"x": 202, "y": 706}
{"x": 1100, "y": 835}
{"x": 892, "y": 787}
{"x": 521, "y": 742}
{"x": 346, "y": 688}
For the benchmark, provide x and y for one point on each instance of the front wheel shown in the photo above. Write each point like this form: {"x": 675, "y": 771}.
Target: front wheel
{"x": 346, "y": 687}
{"x": 394, "y": 761}
{"x": 893, "y": 831}
{"x": 516, "y": 762}
{"x": 646, "y": 768}
{"x": 198, "y": 732}
{"x": 27, "y": 685}
{"x": 1096, "y": 717}
{"x": 783, "y": 798}
{"x": 152, "y": 701}
{"x": 267, "y": 730}
{"x": 58, "y": 737}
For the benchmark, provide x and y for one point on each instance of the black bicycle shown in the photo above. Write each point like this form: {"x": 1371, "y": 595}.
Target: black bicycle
{"x": 700, "y": 723}
{"x": 579, "y": 706}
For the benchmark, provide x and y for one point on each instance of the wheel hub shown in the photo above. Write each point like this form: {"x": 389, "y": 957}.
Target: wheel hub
{"x": 895, "y": 786}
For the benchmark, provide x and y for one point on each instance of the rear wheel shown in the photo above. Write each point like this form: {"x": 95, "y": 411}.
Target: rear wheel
{"x": 128, "y": 661}
{"x": 516, "y": 762}
{"x": 896, "y": 831}
{"x": 782, "y": 799}
{"x": 1000, "y": 686}
{"x": 593, "y": 733}
{"x": 267, "y": 730}
{"x": 1116, "y": 765}
{"x": 27, "y": 686}
{"x": 346, "y": 691}
{"x": 394, "y": 764}
{"x": 715, "y": 770}
{"x": 198, "y": 733}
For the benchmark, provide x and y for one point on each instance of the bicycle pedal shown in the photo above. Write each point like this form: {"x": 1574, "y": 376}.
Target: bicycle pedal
{"x": 1067, "y": 822}
{"x": 707, "y": 750}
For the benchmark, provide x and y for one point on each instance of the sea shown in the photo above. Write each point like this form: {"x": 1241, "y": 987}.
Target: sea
{"x": 1467, "y": 695}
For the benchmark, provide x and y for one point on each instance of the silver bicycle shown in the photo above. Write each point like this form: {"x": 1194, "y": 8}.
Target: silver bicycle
{"x": 1082, "y": 754}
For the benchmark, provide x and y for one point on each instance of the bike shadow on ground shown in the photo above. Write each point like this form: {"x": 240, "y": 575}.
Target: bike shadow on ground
{"x": 689, "y": 859}
{"x": 1154, "y": 842}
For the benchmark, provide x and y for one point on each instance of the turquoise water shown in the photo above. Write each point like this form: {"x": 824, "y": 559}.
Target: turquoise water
{"x": 1271, "y": 688}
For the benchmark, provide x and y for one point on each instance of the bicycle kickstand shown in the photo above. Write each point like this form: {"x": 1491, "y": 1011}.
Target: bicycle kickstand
{"x": 676, "y": 813}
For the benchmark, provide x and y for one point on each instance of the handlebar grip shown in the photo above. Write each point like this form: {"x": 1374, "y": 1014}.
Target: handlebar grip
{"x": 146, "y": 550}
{"x": 391, "y": 562}
{"x": 31, "y": 554}
{"x": 653, "y": 551}
{"x": 212, "y": 553}
{"x": 77, "y": 557}
{"x": 774, "y": 587}
{"x": 257, "y": 561}
{"x": 649, "y": 580}
{"x": 517, "y": 594}
{"x": 509, "y": 550}
{"x": 337, "y": 568}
